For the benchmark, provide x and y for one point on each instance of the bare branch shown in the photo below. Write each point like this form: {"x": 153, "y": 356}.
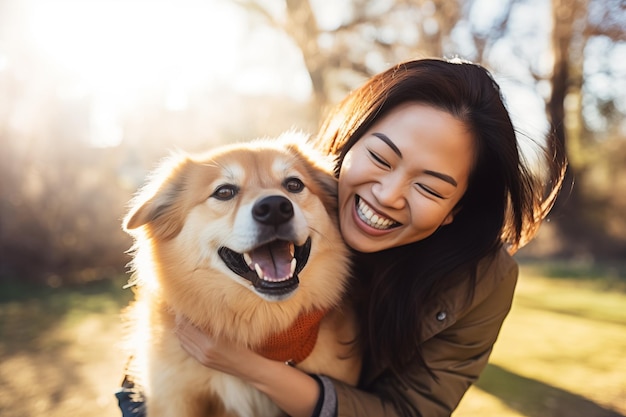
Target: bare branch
{"x": 254, "y": 7}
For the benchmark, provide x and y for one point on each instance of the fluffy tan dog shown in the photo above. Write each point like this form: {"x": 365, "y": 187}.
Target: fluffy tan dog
{"x": 243, "y": 241}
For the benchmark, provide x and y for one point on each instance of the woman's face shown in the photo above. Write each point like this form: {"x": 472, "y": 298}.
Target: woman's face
{"x": 401, "y": 181}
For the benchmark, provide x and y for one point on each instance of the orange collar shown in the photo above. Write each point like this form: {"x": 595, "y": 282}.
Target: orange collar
{"x": 295, "y": 343}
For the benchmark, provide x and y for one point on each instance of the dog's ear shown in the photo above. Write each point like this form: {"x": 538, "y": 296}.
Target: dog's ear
{"x": 329, "y": 187}
{"x": 160, "y": 206}
{"x": 320, "y": 168}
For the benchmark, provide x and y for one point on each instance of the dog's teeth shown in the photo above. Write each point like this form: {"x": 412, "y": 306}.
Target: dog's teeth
{"x": 292, "y": 248}
{"x": 293, "y": 267}
{"x": 247, "y": 258}
{"x": 259, "y": 271}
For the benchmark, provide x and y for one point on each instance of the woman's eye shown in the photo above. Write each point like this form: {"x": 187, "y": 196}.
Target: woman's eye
{"x": 293, "y": 185}
{"x": 225, "y": 192}
{"x": 379, "y": 160}
{"x": 430, "y": 191}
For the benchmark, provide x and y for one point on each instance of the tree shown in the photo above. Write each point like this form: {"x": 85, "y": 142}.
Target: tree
{"x": 575, "y": 24}
{"x": 368, "y": 36}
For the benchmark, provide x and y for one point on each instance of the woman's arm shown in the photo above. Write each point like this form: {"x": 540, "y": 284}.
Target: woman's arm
{"x": 294, "y": 391}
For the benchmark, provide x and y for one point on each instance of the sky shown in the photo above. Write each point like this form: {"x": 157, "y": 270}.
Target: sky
{"x": 155, "y": 41}
{"x": 130, "y": 44}
{"x": 117, "y": 52}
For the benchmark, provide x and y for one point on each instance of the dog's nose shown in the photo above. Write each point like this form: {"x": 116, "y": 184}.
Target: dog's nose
{"x": 273, "y": 210}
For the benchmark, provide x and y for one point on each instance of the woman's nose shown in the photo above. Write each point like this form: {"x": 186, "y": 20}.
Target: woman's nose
{"x": 390, "y": 191}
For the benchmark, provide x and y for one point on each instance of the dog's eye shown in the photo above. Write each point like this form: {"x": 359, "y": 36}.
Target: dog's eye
{"x": 225, "y": 192}
{"x": 293, "y": 185}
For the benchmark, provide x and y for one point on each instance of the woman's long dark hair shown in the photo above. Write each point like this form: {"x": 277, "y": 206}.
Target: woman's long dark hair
{"x": 503, "y": 205}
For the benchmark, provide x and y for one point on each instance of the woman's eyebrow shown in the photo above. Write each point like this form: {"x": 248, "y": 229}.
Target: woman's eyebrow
{"x": 389, "y": 143}
{"x": 442, "y": 177}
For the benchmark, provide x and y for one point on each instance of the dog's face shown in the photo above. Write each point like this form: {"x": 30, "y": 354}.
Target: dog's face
{"x": 252, "y": 212}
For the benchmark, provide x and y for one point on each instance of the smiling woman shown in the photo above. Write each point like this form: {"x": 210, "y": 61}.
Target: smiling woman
{"x": 416, "y": 160}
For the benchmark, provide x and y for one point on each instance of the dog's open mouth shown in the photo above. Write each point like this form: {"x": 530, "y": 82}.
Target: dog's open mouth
{"x": 271, "y": 268}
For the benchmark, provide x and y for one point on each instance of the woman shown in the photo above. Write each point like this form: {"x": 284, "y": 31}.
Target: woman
{"x": 433, "y": 196}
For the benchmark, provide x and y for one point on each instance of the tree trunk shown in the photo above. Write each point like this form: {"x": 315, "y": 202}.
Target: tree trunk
{"x": 572, "y": 211}
{"x": 303, "y": 29}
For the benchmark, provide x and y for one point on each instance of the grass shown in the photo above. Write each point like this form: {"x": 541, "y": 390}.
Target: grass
{"x": 561, "y": 352}
{"x": 59, "y": 352}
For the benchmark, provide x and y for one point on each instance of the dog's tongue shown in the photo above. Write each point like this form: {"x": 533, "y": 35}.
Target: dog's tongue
{"x": 274, "y": 259}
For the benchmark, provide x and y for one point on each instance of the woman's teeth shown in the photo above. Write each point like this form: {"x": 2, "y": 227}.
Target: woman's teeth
{"x": 372, "y": 219}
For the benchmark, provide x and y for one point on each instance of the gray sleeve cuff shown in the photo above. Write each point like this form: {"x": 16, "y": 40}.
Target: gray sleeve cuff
{"x": 327, "y": 402}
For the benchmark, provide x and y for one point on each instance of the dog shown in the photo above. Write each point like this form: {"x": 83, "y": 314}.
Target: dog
{"x": 242, "y": 241}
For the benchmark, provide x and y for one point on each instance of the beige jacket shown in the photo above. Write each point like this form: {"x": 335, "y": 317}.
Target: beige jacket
{"x": 458, "y": 340}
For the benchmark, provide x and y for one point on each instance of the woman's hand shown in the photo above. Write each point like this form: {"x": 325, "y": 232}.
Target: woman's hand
{"x": 212, "y": 352}
{"x": 295, "y": 392}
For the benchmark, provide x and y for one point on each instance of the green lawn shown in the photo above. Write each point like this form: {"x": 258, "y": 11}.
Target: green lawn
{"x": 561, "y": 353}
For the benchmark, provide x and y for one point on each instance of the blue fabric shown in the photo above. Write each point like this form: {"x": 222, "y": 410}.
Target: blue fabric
{"x": 130, "y": 404}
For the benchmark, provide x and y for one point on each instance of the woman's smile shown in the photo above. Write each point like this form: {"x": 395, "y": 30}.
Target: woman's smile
{"x": 371, "y": 218}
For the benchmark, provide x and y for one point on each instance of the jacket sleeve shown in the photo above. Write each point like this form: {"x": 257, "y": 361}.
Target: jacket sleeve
{"x": 457, "y": 355}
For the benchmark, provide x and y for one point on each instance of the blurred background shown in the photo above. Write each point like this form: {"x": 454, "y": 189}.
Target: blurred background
{"x": 93, "y": 93}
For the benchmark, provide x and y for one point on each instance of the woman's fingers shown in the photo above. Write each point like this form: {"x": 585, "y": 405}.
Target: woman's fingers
{"x": 213, "y": 352}
{"x": 193, "y": 341}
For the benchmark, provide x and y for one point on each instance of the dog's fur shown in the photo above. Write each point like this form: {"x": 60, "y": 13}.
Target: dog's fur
{"x": 190, "y": 210}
